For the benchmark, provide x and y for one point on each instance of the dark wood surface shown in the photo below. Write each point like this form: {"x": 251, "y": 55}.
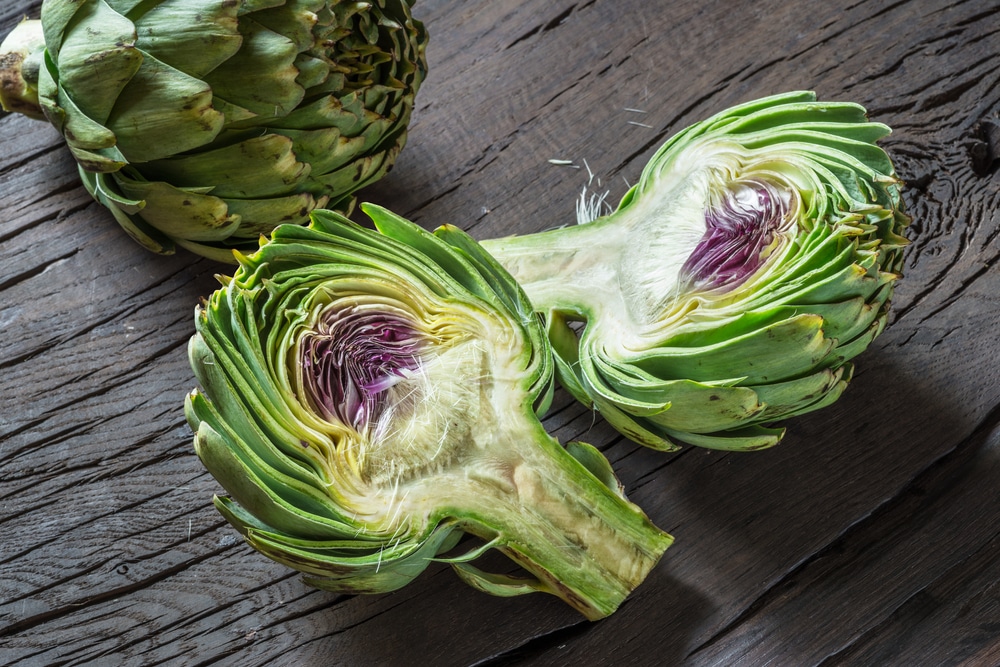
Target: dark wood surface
{"x": 870, "y": 536}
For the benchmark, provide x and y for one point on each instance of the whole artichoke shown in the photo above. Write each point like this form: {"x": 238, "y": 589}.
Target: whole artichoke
{"x": 369, "y": 398}
{"x": 204, "y": 123}
{"x": 755, "y": 256}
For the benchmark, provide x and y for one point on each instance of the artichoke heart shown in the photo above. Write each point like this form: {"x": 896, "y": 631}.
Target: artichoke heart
{"x": 755, "y": 257}
{"x": 205, "y": 123}
{"x": 369, "y": 397}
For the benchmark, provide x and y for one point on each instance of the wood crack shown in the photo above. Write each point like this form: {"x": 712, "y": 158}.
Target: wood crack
{"x": 535, "y": 647}
{"x": 35, "y": 271}
{"x": 104, "y": 596}
{"x": 919, "y": 604}
{"x": 543, "y": 28}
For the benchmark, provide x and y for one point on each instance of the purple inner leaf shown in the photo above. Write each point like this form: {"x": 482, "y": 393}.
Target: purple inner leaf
{"x": 738, "y": 233}
{"x": 352, "y": 358}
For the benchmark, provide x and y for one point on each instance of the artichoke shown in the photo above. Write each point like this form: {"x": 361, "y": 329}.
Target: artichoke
{"x": 753, "y": 259}
{"x": 369, "y": 398}
{"x": 205, "y": 123}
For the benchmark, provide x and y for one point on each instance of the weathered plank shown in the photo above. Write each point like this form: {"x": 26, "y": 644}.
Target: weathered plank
{"x": 868, "y": 537}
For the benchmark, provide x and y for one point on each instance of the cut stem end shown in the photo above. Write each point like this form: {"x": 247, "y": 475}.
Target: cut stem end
{"x": 20, "y": 58}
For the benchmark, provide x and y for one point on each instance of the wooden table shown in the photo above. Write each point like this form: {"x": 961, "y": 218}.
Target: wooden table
{"x": 870, "y": 536}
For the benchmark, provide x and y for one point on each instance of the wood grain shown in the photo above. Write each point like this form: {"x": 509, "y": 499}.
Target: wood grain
{"x": 870, "y": 536}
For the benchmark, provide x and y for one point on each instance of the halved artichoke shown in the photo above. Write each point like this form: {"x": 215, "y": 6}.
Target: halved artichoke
{"x": 205, "y": 123}
{"x": 370, "y": 397}
{"x": 753, "y": 259}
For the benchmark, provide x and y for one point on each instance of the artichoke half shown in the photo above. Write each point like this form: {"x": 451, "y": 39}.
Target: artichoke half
{"x": 205, "y": 123}
{"x": 755, "y": 256}
{"x": 368, "y": 398}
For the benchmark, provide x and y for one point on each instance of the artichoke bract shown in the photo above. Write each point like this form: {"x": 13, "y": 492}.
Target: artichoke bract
{"x": 205, "y": 123}
{"x": 754, "y": 258}
{"x": 369, "y": 398}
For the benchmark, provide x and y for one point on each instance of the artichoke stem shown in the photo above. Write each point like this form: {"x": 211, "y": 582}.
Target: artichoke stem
{"x": 568, "y": 265}
{"x": 20, "y": 58}
{"x": 584, "y": 541}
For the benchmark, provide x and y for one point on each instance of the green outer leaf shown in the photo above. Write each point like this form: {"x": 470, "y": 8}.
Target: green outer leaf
{"x": 293, "y": 19}
{"x": 257, "y": 216}
{"x": 161, "y": 112}
{"x": 264, "y": 56}
{"x": 500, "y": 585}
{"x": 81, "y": 131}
{"x": 55, "y": 16}
{"x": 194, "y": 36}
{"x": 264, "y": 423}
{"x": 99, "y": 161}
{"x": 637, "y": 429}
{"x": 593, "y": 460}
{"x": 126, "y": 7}
{"x": 325, "y": 148}
{"x": 96, "y": 59}
{"x": 225, "y": 252}
{"x": 566, "y": 356}
{"x": 357, "y": 174}
{"x": 124, "y": 210}
{"x": 262, "y": 166}
{"x": 178, "y": 213}
{"x": 263, "y": 492}
{"x": 772, "y": 354}
{"x": 747, "y": 439}
{"x": 342, "y": 566}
